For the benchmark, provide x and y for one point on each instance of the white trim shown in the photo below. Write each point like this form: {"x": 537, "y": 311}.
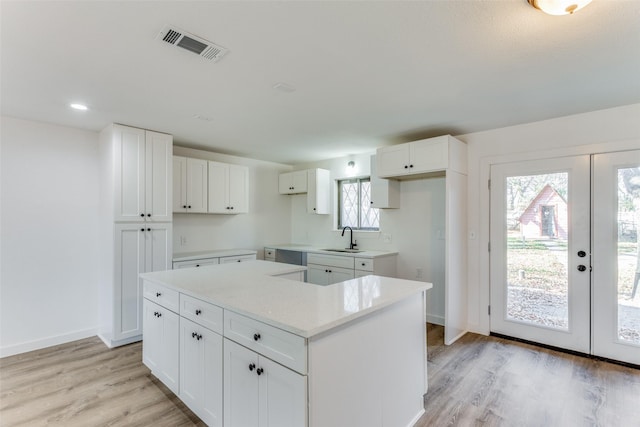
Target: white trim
{"x": 484, "y": 327}
{"x": 435, "y": 319}
{"x": 38, "y": 344}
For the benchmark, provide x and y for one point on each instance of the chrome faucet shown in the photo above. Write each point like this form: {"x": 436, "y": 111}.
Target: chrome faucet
{"x": 352, "y": 244}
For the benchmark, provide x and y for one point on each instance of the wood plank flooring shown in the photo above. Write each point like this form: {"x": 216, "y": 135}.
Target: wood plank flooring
{"x": 489, "y": 381}
{"x": 477, "y": 381}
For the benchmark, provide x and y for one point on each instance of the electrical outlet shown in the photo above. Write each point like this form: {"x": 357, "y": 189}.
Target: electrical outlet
{"x": 419, "y": 273}
{"x": 386, "y": 237}
{"x": 472, "y": 235}
{"x": 183, "y": 240}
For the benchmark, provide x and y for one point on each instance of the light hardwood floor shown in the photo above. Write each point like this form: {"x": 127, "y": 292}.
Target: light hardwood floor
{"x": 475, "y": 382}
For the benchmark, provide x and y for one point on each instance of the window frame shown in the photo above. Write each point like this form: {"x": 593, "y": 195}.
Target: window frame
{"x": 358, "y": 181}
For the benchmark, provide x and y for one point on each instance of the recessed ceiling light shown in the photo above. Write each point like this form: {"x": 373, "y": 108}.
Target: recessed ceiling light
{"x": 80, "y": 107}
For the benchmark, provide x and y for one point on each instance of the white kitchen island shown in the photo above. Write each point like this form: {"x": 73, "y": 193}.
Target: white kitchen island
{"x": 244, "y": 345}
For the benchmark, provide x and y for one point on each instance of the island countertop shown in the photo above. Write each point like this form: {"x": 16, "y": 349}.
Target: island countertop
{"x": 304, "y": 309}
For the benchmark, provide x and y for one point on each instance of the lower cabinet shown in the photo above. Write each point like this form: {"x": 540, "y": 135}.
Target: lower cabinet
{"x": 260, "y": 392}
{"x": 160, "y": 350}
{"x": 327, "y": 275}
{"x": 201, "y": 371}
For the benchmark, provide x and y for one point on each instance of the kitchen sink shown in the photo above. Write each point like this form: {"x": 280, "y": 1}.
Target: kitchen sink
{"x": 350, "y": 251}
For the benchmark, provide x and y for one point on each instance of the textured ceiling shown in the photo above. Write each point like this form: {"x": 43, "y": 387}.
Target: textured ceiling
{"x": 366, "y": 73}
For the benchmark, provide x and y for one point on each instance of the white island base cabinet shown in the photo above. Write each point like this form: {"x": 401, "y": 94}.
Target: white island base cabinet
{"x": 260, "y": 392}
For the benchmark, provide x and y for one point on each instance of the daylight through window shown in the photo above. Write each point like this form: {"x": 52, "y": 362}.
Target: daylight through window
{"x": 354, "y": 205}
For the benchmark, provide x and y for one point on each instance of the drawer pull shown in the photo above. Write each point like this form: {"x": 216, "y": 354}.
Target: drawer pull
{"x": 252, "y": 366}
{"x": 198, "y": 311}
{"x": 363, "y": 264}
{"x": 256, "y": 337}
{"x": 259, "y": 371}
{"x": 158, "y": 294}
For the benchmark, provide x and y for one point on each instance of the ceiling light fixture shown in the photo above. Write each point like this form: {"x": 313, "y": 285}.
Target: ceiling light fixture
{"x": 559, "y": 7}
{"x": 80, "y": 107}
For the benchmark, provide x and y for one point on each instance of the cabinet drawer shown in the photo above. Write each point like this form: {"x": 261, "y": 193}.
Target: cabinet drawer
{"x": 201, "y": 312}
{"x": 365, "y": 264}
{"x": 168, "y": 298}
{"x": 331, "y": 260}
{"x": 276, "y": 344}
{"x": 195, "y": 263}
{"x": 269, "y": 254}
{"x": 239, "y": 258}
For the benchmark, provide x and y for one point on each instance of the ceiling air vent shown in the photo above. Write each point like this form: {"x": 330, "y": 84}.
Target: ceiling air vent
{"x": 204, "y": 48}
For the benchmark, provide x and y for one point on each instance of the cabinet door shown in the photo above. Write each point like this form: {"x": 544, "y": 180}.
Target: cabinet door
{"x": 339, "y": 275}
{"x": 129, "y": 260}
{"x": 385, "y": 193}
{"x": 179, "y": 184}
{"x": 241, "y": 398}
{"x": 283, "y": 396}
{"x": 239, "y": 189}
{"x": 197, "y": 186}
{"x": 201, "y": 371}
{"x": 318, "y": 189}
{"x": 169, "y": 372}
{"x": 158, "y": 176}
{"x": 129, "y": 158}
{"x": 429, "y": 155}
{"x": 317, "y": 275}
{"x": 393, "y": 161}
{"x": 158, "y": 248}
{"x": 160, "y": 345}
{"x": 219, "y": 188}
{"x": 293, "y": 182}
{"x": 151, "y": 336}
{"x": 285, "y": 183}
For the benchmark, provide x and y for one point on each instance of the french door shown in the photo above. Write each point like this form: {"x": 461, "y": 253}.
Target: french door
{"x": 564, "y": 253}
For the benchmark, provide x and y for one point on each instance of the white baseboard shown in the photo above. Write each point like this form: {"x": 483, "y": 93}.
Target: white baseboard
{"x": 10, "y": 350}
{"x": 438, "y": 320}
{"x": 111, "y": 343}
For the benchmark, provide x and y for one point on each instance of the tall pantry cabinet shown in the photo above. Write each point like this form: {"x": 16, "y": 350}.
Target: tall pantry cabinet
{"x": 136, "y": 229}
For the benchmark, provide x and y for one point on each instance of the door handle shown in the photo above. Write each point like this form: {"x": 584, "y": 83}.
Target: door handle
{"x": 581, "y": 267}
{"x": 582, "y": 254}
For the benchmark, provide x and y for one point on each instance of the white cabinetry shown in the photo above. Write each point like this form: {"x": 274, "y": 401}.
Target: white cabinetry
{"x": 142, "y": 166}
{"x": 237, "y": 258}
{"x": 136, "y": 231}
{"x": 421, "y": 157}
{"x": 260, "y": 392}
{"x": 161, "y": 344}
{"x": 228, "y": 188}
{"x": 189, "y": 185}
{"x": 139, "y": 248}
{"x": 269, "y": 254}
{"x": 196, "y": 263}
{"x": 385, "y": 193}
{"x": 201, "y": 371}
{"x": 437, "y": 157}
{"x": 293, "y": 182}
{"x": 318, "y": 189}
{"x": 329, "y": 269}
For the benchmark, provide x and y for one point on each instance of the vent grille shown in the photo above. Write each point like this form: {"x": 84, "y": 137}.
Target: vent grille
{"x": 204, "y": 48}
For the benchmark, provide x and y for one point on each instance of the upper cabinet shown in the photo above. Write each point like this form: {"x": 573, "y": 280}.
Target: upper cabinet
{"x": 422, "y": 157}
{"x": 318, "y": 187}
{"x": 293, "y": 182}
{"x": 142, "y": 185}
{"x": 385, "y": 193}
{"x": 315, "y": 182}
{"x": 228, "y": 188}
{"x": 190, "y": 185}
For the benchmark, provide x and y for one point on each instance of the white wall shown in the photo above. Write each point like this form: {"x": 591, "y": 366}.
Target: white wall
{"x": 600, "y": 131}
{"x": 416, "y": 229}
{"x": 49, "y": 220}
{"x": 268, "y": 220}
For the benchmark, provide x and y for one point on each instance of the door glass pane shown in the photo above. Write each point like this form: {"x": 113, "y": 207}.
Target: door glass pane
{"x": 537, "y": 233}
{"x": 628, "y": 256}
